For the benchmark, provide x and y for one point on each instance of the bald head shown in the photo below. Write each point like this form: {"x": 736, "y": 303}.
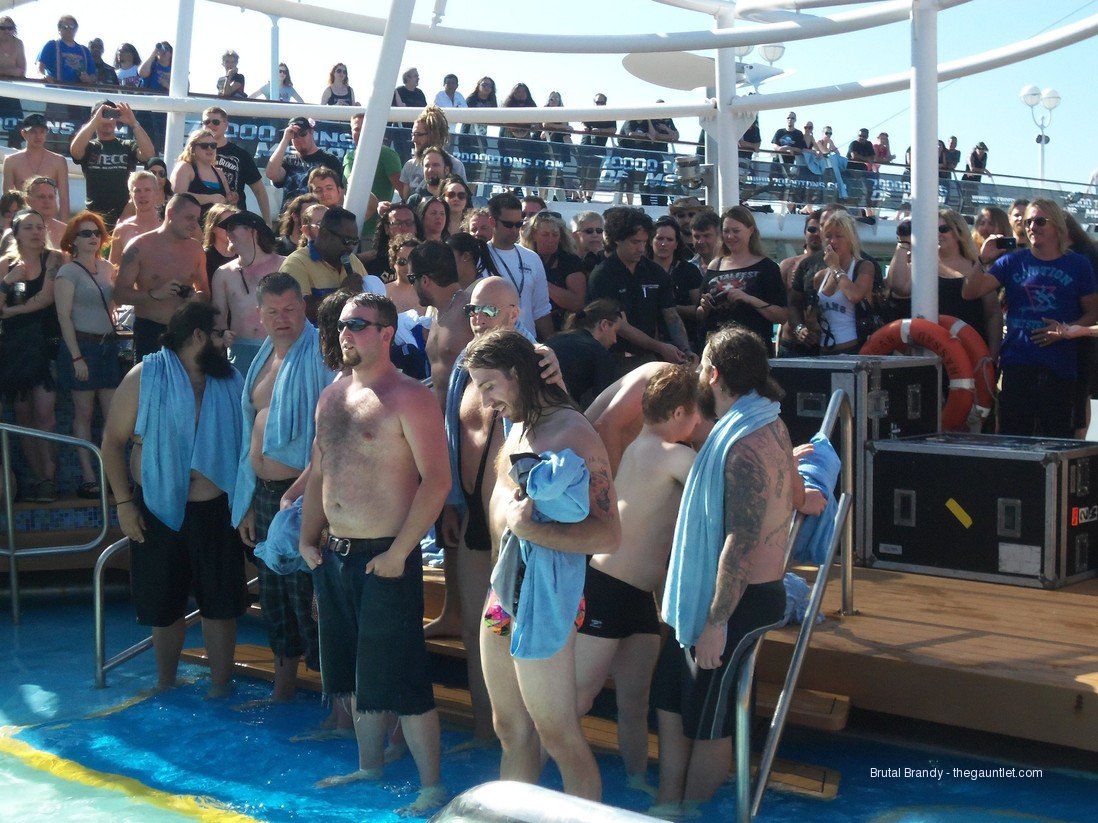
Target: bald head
{"x": 494, "y": 295}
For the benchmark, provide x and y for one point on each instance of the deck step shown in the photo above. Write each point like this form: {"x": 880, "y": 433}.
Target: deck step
{"x": 454, "y": 706}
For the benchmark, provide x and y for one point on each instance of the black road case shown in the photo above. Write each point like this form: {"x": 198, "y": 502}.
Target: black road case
{"x": 1020, "y": 510}
{"x": 891, "y": 396}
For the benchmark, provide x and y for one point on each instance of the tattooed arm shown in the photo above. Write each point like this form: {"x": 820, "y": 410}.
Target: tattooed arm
{"x": 600, "y": 532}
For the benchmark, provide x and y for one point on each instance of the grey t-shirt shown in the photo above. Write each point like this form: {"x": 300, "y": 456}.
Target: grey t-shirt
{"x": 88, "y": 314}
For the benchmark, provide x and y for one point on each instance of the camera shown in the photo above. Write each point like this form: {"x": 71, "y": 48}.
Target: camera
{"x": 1006, "y": 243}
{"x": 110, "y": 113}
{"x": 183, "y": 290}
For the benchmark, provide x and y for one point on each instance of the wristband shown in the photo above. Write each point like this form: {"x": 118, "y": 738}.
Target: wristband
{"x": 118, "y": 503}
{"x": 78, "y": 359}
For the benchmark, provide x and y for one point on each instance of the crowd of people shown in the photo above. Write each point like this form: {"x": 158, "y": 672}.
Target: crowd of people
{"x": 279, "y": 375}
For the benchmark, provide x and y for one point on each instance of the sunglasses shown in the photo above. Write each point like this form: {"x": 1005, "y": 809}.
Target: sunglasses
{"x": 402, "y": 261}
{"x": 283, "y": 71}
{"x": 416, "y": 277}
{"x": 943, "y": 229}
{"x": 408, "y": 221}
{"x": 812, "y": 229}
{"x": 212, "y": 121}
{"x": 206, "y": 146}
{"x": 347, "y": 242}
{"x": 591, "y": 231}
{"x": 1036, "y": 221}
{"x": 7, "y": 28}
{"x": 89, "y": 233}
{"x": 487, "y": 309}
{"x": 219, "y": 333}
{"x": 511, "y": 224}
{"x": 419, "y": 134}
{"x": 357, "y": 324}
{"x": 828, "y": 133}
{"x": 456, "y": 195}
{"x": 67, "y": 27}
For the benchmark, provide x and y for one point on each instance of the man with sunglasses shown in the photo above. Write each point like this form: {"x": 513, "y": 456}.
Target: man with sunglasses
{"x": 237, "y": 165}
{"x": 378, "y": 481}
{"x": 1047, "y": 288}
{"x": 588, "y": 238}
{"x": 788, "y": 343}
{"x": 107, "y": 162}
{"x": 522, "y": 267}
{"x": 64, "y": 60}
{"x": 289, "y": 170}
{"x": 329, "y": 262}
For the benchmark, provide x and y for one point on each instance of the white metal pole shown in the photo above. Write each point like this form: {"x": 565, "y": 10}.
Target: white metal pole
{"x": 924, "y": 159}
{"x": 275, "y": 89}
{"x": 727, "y": 167}
{"x": 1041, "y": 151}
{"x": 180, "y": 79}
{"x": 380, "y": 102}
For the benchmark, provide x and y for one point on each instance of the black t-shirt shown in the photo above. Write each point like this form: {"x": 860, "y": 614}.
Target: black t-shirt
{"x": 297, "y": 172}
{"x": 642, "y": 294}
{"x": 412, "y": 99}
{"x": 585, "y": 364}
{"x": 239, "y": 169}
{"x": 597, "y": 139}
{"x": 107, "y": 167}
{"x": 791, "y": 139}
{"x": 557, "y": 269}
{"x": 762, "y": 280}
{"x": 590, "y": 260}
{"x": 860, "y": 148}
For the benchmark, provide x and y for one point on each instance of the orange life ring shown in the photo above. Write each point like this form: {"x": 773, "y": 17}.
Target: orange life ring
{"x": 983, "y": 370}
{"x": 962, "y": 386}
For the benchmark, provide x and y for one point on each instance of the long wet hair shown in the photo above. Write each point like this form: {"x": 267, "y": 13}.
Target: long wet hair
{"x": 508, "y": 351}
{"x": 327, "y": 315}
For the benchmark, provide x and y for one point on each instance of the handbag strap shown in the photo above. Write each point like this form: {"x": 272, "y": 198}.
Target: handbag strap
{"x": 102, "y": 296}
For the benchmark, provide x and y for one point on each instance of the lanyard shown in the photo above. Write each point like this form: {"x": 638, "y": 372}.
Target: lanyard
{"x": 520, "y": 284}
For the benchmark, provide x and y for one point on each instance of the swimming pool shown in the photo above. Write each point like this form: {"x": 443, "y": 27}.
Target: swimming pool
{"x": 178, "y": 749}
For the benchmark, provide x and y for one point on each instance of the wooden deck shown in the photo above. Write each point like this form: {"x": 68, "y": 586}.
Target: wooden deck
{"x": 1004, "y": 659}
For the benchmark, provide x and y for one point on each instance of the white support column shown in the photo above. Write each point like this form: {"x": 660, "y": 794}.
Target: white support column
{"x": 180, "y": 79}
{"x": 727, "y": 167}
{"x": 386, "y": 78}
{"x": 924, "y": 159}
{"x": 276, "y": 81}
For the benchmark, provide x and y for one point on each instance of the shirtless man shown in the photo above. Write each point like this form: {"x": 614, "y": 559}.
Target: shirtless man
{"x": 13, "y": 56}
{"x": 378, "y": 481}
{"x": 178, "y": 515}
{"x": 272, "y": 467}
{"x": 161, "y": 270}
{"x": 790, "y": 343}
{"x": 235, "y": 288}
{"x": 616, "y": 413}
{"x": 533, "y": 695}
{"x": 41, "y": 195}
{"x": 724, "y": 579}
{"x": 37, "y": 161}
{"x": 144, "y": 190}
{"x": 620, "y": 635}
{"x": 435, "y": 278}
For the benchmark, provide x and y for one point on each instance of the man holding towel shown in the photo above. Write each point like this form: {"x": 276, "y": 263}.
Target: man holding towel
{"x": 726, "y": 568}
{"x": 181, "y": 409}
{"x": 279, "y": 404}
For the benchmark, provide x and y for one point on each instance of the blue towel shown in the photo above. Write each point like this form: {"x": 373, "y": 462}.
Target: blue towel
{"x": 291, "y": 422}
{"x": 699, "y": 530}
{"x": 552, "y": 585}
{"x": 797, "y": 592}
{"x": 173, "y": 444}
{"x": 279, "y": 549}
{"x": 820, "y": 471}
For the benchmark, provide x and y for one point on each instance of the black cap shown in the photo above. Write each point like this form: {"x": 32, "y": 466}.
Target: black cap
{"x": 248, "y": 220}
{"x": 302, "y": 123}
{"x": 32, "y": 121}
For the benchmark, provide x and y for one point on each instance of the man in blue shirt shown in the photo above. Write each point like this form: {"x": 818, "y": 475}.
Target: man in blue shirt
{"x": 64, "y": 60}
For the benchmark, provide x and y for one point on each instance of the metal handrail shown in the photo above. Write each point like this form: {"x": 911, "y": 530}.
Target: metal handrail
{"x": 6, "y": 430}
{"x": 102, "y": 665}
{"x": 747, "y": 801}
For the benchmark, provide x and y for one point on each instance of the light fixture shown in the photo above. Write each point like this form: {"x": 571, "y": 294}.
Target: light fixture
{"x": 742, "y": 51}
{"x": 772, "y": 52}
{"x": 1031, "y": 95}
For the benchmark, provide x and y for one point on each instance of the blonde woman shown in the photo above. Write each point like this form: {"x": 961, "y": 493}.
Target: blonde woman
{"x": 958, "y": 257}
{"x": 845, "y": 281}
{"x": 197, "y": 173}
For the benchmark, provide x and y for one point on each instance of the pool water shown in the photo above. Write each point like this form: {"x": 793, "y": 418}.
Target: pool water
{"x": 193, "y": 758}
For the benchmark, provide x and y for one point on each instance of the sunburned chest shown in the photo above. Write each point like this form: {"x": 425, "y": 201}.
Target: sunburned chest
{"x": 263, "y": 388}
{"x": 475, "y": 417}
{"x": 359, "y": 423}
{"x": 449, "y": 335}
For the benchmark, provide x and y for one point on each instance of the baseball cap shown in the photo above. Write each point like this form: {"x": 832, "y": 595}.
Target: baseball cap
{"x": 249, "y": 220}
{"x": 34, "y": 120}
{"x": 302, "y": 123}
{"x": 982, "y": 145}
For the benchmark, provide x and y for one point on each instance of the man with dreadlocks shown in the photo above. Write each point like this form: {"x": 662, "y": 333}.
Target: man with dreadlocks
{"x": 430, "y": 129}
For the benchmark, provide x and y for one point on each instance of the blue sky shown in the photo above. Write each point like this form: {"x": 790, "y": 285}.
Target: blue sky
{"x": 981, "y": 107}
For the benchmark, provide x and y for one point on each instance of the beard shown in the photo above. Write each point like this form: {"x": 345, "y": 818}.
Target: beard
{"x": 707, "y": 401}
{"x": 214, "y": 361}
{"x": 351, "y": 358}
{"x": 432, "y": 182}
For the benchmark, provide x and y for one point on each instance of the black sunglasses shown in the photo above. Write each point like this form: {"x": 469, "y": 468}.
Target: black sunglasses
{"x": 591, "y": 231}
{"x": 417, "y": 276}
{"x": 212, "y": 121}
{"x": 89, "y": 233}
{"x": 357, "y": 324}
{"x": 943, "y": 229}
{"x": 347, "y": 242}
{"x": 1036, "y": 221}
{"x": 456, "y": 195}
{"x": 219, "y": 333}
{"x": 812, "y": 229}
{"x": 511, "y": 224}
{"x": 206, "y": 146}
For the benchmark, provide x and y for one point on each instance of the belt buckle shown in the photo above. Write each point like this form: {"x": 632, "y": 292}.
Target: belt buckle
{"x": 340, "y": 545}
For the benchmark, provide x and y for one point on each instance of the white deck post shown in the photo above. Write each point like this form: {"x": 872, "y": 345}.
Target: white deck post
{"x": 180, "y": 80}
{"x": 924, "y": 159}
{"x": 275, "y": 90}
{"x": 386, "y": 79}
{"x": 727, "y": 168}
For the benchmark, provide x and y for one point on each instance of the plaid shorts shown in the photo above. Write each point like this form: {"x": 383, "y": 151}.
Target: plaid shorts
{"x": 286, "y": 599}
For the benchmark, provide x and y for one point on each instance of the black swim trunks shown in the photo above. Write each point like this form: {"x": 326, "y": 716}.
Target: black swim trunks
{"x": 477, "y": 536}
{"x": 616, "y": 610}
{"x": 706, "y": 697}
{"x": 286, "y": 599}
{"x": 146, "y": 336}
{"x": 205, "y": 557}
{"x": 371, "y": 629}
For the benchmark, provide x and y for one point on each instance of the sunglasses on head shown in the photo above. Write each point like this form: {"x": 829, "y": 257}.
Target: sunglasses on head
{"x": 357, "y": 324}
{"x": 487, "y": 309}
{"x": 212, "y": 121}
{"x": 1036, "y": 221}
{"x": 511, "y": 224}
{"x": 206, "y": 146}
{"x": 89, "y": 233}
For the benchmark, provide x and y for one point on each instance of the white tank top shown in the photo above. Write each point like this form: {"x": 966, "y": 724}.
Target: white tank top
{"x": 837, "y": 312}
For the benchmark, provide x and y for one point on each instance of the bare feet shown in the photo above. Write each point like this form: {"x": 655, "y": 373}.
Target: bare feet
{"x": 319, "y": 735}
{"x": 428, "y": 799}
{"x": 674, "y": 811}
{"x": 218, "y": 692}
{"x": 353, "y": 777}
{"x": 639, "y": 782}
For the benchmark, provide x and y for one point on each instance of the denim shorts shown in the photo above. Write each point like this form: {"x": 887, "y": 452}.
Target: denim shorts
{"x": 104, "y": 371}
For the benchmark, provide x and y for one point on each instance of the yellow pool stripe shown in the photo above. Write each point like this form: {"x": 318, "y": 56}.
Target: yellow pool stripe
{"x": 959, "y": 513}
{"x": 200, "y": 808}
